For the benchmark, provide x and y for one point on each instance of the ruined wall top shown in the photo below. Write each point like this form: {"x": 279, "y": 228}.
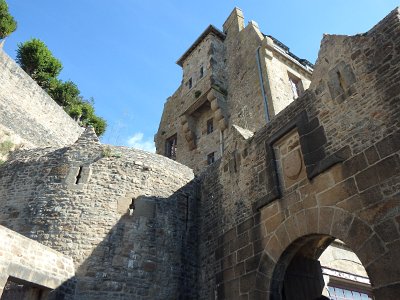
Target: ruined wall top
{"x": 29, "y": 116}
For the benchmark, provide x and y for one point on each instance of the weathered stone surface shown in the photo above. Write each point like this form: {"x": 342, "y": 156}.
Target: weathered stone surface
{"x": 28, "y": 116}
{"x": 28, "y": 260}
{"x": 141, "y": 226}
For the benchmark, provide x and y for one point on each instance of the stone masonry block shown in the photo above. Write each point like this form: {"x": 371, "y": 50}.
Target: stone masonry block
{"x": 282, "y": 236}
{"x": 385, "y": 269}
{"x": 267, "y": 265}
{"x": 378, "y": 173}
{"x": 372, "y": 155}
{"x": 247, "y": 282}
{"x": 387, "y": 231}
{"x": 358, "y": 234}
{"x": 251, "y": 264}
{"x": 389, "y": 145}
{"x": 274, "y": 248}
{"x": 370, "y": 250}
{"x": 244, "y": 253}
{"x": 339, "y": 192}
{"x": 341, "y": 224}
{"x": 325, "y": 220}
{"x": 312, "y": 219}
{"x": 291, "y": 228}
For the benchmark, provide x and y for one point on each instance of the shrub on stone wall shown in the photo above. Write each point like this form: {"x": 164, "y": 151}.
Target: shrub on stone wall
{"x": 7, "y": 23}
{"x": 38, "y": 62}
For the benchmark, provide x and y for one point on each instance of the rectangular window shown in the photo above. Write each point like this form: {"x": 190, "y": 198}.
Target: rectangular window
{"x": 201, "y": 72}
{"x": 296, "y": 86}
{"x": 170, "y": 147}
{"x": 190, "y": 83}
{"x": 210, "y": 158}
{"x": 336, "y": 293}
{"x": 210, "y": 126}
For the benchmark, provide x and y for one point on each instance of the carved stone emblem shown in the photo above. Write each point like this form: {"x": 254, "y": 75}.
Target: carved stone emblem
{"x": 292, "y": 164}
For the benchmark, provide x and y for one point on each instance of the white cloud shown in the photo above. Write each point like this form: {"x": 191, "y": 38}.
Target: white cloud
{"x": 137, "y": 141}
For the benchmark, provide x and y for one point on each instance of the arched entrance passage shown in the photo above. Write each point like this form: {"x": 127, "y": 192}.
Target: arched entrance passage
{"x": 308, "y": 233}
{"x": 299, "y": 274}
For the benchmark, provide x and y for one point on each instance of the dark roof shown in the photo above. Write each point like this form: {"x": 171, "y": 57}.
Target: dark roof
{"x": 209, "y": 29}
{"x": 302, "y": 61}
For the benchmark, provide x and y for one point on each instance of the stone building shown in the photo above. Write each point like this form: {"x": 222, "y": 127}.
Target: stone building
{"x": 238, "y": 77}
{"x": 84, "y": 220}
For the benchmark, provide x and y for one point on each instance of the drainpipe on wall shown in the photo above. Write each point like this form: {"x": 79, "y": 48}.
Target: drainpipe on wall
{"x": 264, "y": 95}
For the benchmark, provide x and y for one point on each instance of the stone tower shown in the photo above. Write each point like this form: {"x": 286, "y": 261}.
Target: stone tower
{"x": 233, "y": 79}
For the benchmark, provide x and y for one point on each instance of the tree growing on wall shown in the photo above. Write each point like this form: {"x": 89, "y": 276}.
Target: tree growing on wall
{"x": 37, "y": 60}
{"x": 64, "y": 93}
{"x": 7, "y": 23}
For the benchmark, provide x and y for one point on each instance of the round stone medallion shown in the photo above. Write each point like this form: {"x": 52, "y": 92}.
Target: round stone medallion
{"x": 292, "y": 164}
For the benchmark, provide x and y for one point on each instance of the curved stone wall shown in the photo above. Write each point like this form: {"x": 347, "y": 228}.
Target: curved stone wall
{"x": 124, "y": 216}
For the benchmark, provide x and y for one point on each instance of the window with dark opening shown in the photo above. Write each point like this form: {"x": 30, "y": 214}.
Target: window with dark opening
{"x": 210, "y": 158}
{"x": 201, "y": 72}
{"x": 190, "y": 83}
{"x": 210, "y": 126}
{"x": 78, "y": 176}
{"x": 296, "y": 86}
{"x": 170, "y": 147}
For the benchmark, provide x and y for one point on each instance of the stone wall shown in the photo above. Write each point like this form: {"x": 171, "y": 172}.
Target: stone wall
{"x": 29, "y": 117}
{"x": 278, "y": 66}
{"x": 245, "y": 72}
{"x": 25, "y": 260}
{"x": 187, "y": 111}
{"x": 258, "y": 209}
{"x": 127, "y": 218}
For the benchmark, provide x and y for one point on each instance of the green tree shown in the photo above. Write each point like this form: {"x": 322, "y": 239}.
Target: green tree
{"x": 98, "y": 123}
{"x": 64, "y": 93}
{"x": 7, "y": 23}
{"x": 37, "y": 60}
{"x": 82, "y": 111}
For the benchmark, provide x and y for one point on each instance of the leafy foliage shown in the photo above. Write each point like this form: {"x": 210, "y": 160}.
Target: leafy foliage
{"x": 65, "y": 93}
{"x": 38, "y": 61}
{"x": 7, "y": 23}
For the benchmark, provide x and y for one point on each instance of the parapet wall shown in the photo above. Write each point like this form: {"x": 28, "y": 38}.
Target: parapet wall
{"x": 28, "y": 116}
{"x": 26, "y": 260}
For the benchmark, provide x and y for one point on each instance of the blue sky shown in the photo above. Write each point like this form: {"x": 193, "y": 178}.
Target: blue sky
{"x": 123, "y": 52}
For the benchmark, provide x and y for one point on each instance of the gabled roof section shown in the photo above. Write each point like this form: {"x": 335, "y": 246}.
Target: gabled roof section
{"x": 210, "y": 29}
{"x": 285, "y": 48}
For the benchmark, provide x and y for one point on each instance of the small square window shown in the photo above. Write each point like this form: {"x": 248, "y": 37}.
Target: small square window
{"x": 190, "y": 83}
{"x": 201, "y": 72}
{"x": 210, "y": 126}
{"x": 210, "y": 158}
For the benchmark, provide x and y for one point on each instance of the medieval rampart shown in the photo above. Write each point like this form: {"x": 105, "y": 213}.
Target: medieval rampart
{"x": 28, "y": 116}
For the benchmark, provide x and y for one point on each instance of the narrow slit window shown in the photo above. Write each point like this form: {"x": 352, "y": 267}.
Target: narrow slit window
{"x": 190, "y": 83}
{"x": 342, "y": 83}
{"x": 201, "y": 72}
{"x": 170, "y": 147}
{"x": 79, "y": 175}
{"x": 211, "y": 158}
{"x": 210, "y": 126}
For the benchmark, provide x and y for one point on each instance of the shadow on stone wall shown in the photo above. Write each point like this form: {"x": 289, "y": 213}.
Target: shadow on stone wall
{"x": 151, "y": 253}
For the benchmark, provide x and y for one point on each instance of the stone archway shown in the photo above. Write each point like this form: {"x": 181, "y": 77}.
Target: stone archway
{"x": 307, "y": 234}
